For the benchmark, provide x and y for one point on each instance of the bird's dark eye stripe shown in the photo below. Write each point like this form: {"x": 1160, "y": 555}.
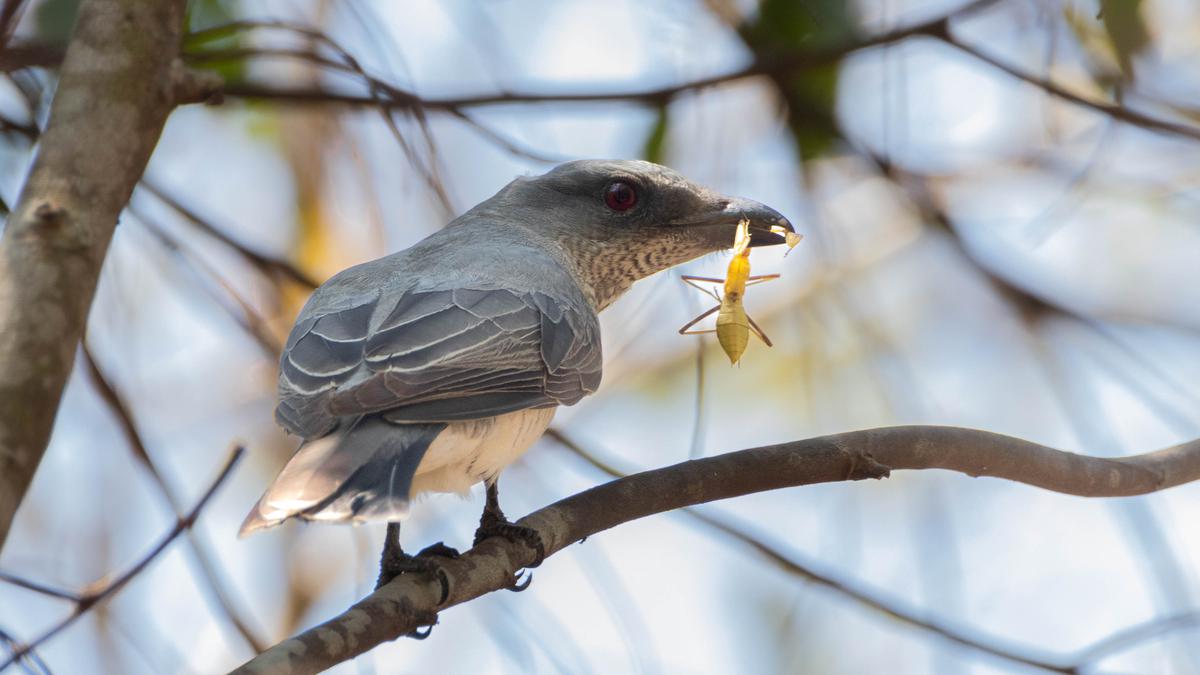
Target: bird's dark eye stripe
{"x": 620, "y": 196}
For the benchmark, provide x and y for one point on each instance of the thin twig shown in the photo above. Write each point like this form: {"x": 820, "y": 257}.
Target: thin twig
{"x": 502, "y": 141}
{"x": 32, "y": 657}
{"x": 38, "y": 587}
{"x": 91, "y": 598}
{"x": 1134, "y": 635}
{"x": 805, "y": 59}
{"x": 938, "y": 28}
{"x": 379, "y": 90}
{"x": 263, "y": 262}
{"x": 133, "y": 439}
{"x": 244, "y": 314}
{"x": 1113, "y": 110}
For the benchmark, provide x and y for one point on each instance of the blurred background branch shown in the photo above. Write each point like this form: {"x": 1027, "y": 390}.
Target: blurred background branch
{"x": 101, "y": 590}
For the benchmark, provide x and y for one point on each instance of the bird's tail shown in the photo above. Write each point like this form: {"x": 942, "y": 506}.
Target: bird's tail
{"x": 360, "y": 472}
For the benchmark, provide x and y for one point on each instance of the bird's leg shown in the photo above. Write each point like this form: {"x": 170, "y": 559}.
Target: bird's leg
{"x": 493, "y": 524}
{"x": 394, "y": 561}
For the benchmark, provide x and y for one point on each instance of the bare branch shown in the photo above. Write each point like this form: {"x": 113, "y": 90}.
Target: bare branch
{"x": 776, "y": 67}
{"x": 208, "y": 567}
{"x": 1113, "y": 110}
{"x": 30, "y": 55}
{"x": 1134, "y": 635}
{"x": 116, "y": 90}
{"x": 38, "y": 587}
{"x": 399, "y": 98}
{"x": 265, "y": 263}
{"x": 412, "y": 601}
{"x": 217, "y": 287}
{"x": 896, "y": 609}
{"x": 91, "y": 598}
{"x": 846, "y": 588}
{"x": 30, "y": 659}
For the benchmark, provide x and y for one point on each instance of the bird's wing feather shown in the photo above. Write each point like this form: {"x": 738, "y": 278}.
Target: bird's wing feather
{"x": 363, "y": 472}
{"x": 438, "y": 355}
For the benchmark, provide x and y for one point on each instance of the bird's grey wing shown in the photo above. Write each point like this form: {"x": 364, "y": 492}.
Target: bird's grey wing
{"x": 439, "y": 355}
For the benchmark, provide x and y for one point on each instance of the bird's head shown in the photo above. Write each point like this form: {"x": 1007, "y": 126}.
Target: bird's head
{"x": 622, "y": 220}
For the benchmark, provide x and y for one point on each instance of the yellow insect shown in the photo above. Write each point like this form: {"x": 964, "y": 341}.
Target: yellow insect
{"x": 733, "y": 324}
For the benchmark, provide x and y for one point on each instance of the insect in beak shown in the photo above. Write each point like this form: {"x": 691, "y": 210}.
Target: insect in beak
{"x": 733, "y": 324}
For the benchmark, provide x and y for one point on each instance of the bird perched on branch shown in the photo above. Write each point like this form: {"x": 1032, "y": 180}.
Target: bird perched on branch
{"x": 431, "y": 369}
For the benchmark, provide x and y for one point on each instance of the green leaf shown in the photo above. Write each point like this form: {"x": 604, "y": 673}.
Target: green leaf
{"x": 204, "y": 14}
{"x": 55, "y": 19}
{"x": 208, "y": 29}
{"x": 1126, "y": 29}
{"x": 653, "y": 151}
{"x": 785, "y": 27}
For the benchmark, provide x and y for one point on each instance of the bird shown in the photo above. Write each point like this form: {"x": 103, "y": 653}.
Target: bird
{"x": 432, "y": 369}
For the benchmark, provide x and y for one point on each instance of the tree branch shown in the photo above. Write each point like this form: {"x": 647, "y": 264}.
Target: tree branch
{"x": 268, "y": 265}
{"x": 857, "y": 592}
{"x": 412, "y": 601}
{"x": 120, "y": 79}
{"x": 847, "y": 588}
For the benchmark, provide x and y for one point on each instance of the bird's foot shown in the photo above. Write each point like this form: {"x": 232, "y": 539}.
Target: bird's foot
{"x": 496, "y": 525}
{"x": 393, "y": 565}
{"x": 395, "y": 562}
{"x": 493, "y": 525}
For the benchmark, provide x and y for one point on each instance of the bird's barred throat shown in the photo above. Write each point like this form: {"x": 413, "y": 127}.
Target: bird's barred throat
{"x": 608, "y": 271}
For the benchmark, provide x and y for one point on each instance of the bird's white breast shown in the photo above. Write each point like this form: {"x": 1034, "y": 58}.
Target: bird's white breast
{"x": 466, "y": 453}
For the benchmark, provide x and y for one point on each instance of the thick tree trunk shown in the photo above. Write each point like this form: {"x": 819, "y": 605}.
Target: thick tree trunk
{"x": 119, "y": 81}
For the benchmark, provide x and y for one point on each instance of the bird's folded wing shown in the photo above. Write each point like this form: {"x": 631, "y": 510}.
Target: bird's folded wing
{"x": 440, "y": 355}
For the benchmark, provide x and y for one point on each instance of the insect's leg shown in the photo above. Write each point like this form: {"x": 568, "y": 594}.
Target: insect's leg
{"x": 691, "y": 281}
{"x": 750, "y": 281}
{"x": 759, "y": 332}
{"x": 693, "y": 322}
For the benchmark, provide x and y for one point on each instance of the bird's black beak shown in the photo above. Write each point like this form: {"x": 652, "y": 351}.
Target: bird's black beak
{"x": 722, "y": 222}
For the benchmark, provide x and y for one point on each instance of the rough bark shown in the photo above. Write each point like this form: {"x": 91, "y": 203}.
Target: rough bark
{"x": 412, "y": 601}
{"x": 120, "y": 79}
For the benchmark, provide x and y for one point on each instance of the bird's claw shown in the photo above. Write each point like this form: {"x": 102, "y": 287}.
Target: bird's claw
{"x": 521, "y": 581}
{"x": 419, "y": 634}
{"x": 495, "y": 527}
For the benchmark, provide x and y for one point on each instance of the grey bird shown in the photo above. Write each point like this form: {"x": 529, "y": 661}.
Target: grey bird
{"x": 432, "y": 369}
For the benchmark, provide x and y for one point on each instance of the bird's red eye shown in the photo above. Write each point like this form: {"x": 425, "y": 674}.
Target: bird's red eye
{"x": 620, "y": 196}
